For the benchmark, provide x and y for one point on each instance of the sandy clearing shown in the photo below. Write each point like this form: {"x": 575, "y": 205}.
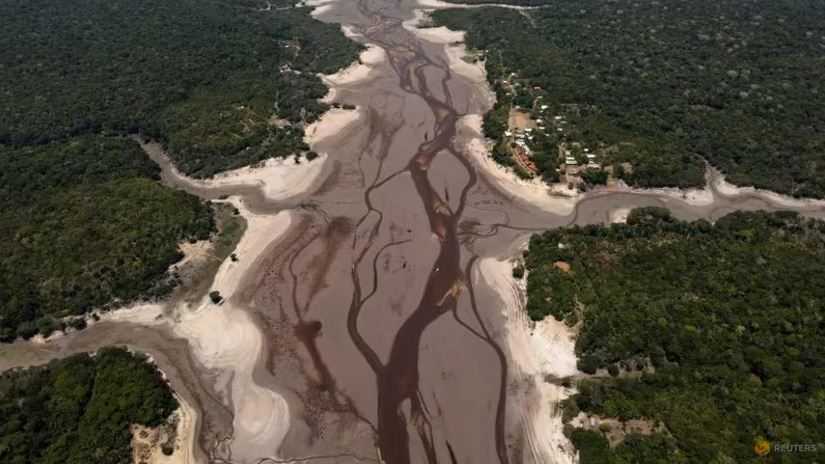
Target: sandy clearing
{"x": 198, "y": 251}
{"x": 147, "y": 442}
{"x": 535, "y": 351}
{"x": 187, "y": 418}
{"x": 619, "y": 215}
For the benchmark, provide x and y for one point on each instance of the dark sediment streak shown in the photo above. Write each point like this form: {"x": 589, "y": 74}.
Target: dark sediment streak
{"x": 350, "y": 300}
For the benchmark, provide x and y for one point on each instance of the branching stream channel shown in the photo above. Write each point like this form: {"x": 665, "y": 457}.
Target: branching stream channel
{"x": 359, "y": 324}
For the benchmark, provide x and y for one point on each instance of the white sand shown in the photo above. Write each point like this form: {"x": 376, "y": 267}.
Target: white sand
{"x": 556, "y": 199}
{"x": 727, "y": 189}
{"x": 619, "y": 215}
{"x": 535, "y": 350}
{"x": 261, "y": 230}
{"x": 224, "y": 338}
{"x": 149, "y": 448}
{"x": 194, "y": 252}
{"x": 358, "y": 71}
{"x": 332, "y": 122}
{"x": 456, "y": 52}
{"x": 692, "y": 196}
{"x": 278, "y": 178}
{"x": 187, "y": 418}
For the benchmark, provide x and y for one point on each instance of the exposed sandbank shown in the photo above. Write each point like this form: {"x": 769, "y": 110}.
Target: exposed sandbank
{"x": 722, "y": 186}
{"x": 359, "y": 70}
{"x": 224, "y": 337}
{"x": 691, "y": 196}
{"x": 332, "y": 122}
{"x": 535, "y": 351}
{"x": 470, "y": 139}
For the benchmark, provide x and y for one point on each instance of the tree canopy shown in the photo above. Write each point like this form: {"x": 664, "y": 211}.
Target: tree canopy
{"x": 667, "y": 84}
{"x": 210, "y": 79}
{"x": 222, "y": 84}
{"x": 85, "y": 223}
{"x": 78, "y": 410}
{"x": 716, "y": 331}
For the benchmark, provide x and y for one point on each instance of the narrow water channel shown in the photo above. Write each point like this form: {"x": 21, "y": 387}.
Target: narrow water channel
{"x": 374, "y": 330}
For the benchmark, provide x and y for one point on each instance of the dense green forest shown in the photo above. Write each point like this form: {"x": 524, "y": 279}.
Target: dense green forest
{"x": 715, "y": 331}
{"x": 84, "y": 223}
{"x": 221, "y": 83}
{"x": 78, "y": 410}
{"x": 667, "y": 84}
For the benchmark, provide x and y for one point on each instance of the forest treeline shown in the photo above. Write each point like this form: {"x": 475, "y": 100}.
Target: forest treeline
{"x": 210, "y": 79}
{"x": 78, "y": 410}
{"x": 83, "y": 224}
{"x": 715, "y": 332}
{"x": 665, "y": 85}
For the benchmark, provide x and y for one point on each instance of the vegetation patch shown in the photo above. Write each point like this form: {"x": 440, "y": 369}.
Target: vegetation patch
{"x": 206, "y": 78}
{"x": 665, "y": 85}
{"x": 78, "y": 410}
{"x": 84, "y": 223}
{"x": 722, "y": 327}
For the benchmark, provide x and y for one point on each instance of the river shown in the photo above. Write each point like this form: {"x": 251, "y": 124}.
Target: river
{"x": 372, "y": 321}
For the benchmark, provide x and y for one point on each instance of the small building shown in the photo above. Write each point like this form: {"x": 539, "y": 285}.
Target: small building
{"x": 508, "y": 134}
{"x": 570, "y": 161}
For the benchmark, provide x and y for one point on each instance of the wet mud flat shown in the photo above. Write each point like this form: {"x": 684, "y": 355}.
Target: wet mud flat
{"x": 377, "y": 327}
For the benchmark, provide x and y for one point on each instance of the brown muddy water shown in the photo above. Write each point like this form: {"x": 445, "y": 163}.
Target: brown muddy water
{"x": 373, "y": 332}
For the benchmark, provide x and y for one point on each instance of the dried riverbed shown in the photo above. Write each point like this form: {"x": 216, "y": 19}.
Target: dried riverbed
{"x": 371, "y": 315}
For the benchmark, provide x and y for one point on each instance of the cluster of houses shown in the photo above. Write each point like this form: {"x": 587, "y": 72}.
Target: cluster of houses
{"x": 572, "y": 163}
{"x": 523, "y": 129}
